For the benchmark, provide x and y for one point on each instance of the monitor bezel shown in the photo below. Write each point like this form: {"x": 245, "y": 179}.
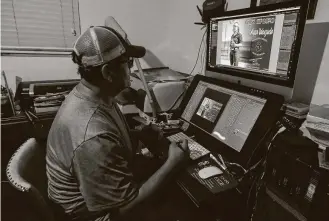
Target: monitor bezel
{"x": 248, "y": 74}
{"x": 267, "y": 118}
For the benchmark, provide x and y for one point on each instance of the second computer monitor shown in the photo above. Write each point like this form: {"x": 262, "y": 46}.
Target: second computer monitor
{"x": 261, "y": 44}
{"x": 227, "y": 115}
{"x": 228, "y": 118}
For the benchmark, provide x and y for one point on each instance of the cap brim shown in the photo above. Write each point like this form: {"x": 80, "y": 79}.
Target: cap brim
{"x": 135, "y": 51}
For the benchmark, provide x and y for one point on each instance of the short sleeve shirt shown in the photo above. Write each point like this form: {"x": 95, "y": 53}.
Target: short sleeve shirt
{"x": 237, "y": 39}
{"x": 89, "y": 157}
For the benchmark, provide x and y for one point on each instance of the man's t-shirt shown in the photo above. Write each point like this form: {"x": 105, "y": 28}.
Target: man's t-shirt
{"x": 236, "y": 39}
{"x": 89, "y": 157}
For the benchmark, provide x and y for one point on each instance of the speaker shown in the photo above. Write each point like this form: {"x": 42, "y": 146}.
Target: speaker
{"x": 212, "y": 8}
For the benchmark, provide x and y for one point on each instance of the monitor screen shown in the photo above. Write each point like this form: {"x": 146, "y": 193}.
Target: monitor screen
{"x": 256, "y": 45}
{"x": 225, "y": 114}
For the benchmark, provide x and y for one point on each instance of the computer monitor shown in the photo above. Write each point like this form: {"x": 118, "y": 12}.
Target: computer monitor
{"x": 234, "y": 117}
{"x": 260, "y": 44}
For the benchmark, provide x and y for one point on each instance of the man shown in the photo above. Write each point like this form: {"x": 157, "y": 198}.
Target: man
{"x": 89, "y": 149}
{"x": 205, "y": 110}
{"x": 236, "y": 42}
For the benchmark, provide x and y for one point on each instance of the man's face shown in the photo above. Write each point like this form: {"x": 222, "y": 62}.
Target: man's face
{"x": 122, "y": 79}
{"x": 235, "y": 28}
{"x": 126, "y": 75}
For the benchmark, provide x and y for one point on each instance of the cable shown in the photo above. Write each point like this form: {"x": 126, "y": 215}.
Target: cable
{"x": 14, "y": 13}
{"x": 238, "y": 165}
{"x": 196, "y": 62}
{"x": 178, "y": 98}
{"x": 73, "y": 20}
{"x": 260, "y": 178}
{"x": 258, "y": 144}
{"x": 63, "y": 29}
{"x": 203, "y": 58}
{"x": 73, "y": 16}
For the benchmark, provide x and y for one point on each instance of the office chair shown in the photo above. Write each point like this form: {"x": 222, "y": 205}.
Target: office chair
{"x": 26, "y": 171}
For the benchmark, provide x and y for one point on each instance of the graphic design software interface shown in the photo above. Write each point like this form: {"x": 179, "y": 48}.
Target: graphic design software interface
{"x": 225, "y": 114}
{"x": 261, "y": 42}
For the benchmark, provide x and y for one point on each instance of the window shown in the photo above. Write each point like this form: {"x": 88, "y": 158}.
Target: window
{"x": 39, "y": 26}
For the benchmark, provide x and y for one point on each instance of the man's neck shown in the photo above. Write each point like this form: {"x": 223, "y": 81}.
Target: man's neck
{"x": 105, "y": 95}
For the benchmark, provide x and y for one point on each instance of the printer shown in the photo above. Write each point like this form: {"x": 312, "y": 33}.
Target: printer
{"x": 167, "y": 88}
{"x": 43, "y": 96}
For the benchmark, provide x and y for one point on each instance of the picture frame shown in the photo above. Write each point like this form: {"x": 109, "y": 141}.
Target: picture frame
{"x": 311, "y": 8}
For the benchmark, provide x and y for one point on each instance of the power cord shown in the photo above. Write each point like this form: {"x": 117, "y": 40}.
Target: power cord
{"x": 177, "y": 99}
{"x": 196, "y": 62}
{"x": 261, "y": 177}
{"x": 203, "y": 58}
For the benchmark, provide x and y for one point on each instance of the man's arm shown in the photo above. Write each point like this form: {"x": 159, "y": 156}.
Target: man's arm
{"x": 175, "y": 157}
{"x": 105, "y": 178}
{"x": 240, "y": 41}
{"x": 237, "y": 45}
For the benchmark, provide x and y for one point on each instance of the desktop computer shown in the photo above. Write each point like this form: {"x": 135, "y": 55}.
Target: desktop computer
{"x": 254, "y": 54}
{"x": 226, "y": 118}
{"x": 258, "y": 47}
{"x": 232, "y": 120}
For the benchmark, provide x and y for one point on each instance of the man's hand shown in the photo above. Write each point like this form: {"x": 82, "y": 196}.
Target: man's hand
{"x": 178, "y": 154}
{"x": 152, "y": 131}
{"x": 150, "y": 135}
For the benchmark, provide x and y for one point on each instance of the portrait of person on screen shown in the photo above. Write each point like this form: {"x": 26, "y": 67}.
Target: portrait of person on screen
{"x": 235, "y": 44}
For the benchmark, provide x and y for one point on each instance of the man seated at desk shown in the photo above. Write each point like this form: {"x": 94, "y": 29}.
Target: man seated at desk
{"x": 90, "y": 154}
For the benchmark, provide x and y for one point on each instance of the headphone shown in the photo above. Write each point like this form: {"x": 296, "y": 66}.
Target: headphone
{"x": 78, "y": 58}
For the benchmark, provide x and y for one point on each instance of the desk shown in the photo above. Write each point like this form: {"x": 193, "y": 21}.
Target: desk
{"x": 223, "y": 205}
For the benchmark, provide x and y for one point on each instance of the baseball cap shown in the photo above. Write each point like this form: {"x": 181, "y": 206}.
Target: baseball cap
{"x": 99, "y": 45}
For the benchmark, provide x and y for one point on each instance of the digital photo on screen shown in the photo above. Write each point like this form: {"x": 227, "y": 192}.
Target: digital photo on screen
{"x": 246, "y": 43}
{"x": 261, "y": 44}
{"x": 209, "y": 109}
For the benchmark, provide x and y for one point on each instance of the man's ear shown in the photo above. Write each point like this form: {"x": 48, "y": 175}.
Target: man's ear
{"x": 106, "y": 73}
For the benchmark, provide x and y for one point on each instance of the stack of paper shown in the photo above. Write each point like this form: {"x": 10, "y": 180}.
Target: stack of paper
{"x": 297, "y": 110}
{"x": 317, "y": 123}
{"x": 50, "y": 102}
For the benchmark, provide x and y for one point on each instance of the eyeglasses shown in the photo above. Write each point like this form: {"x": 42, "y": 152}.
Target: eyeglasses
{"x": 128, "y": 60}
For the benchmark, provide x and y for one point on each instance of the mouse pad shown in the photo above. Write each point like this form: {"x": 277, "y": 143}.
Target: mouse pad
{"x": 215, "y": 184}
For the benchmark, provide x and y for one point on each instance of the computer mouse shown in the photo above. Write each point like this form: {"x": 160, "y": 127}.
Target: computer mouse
{"x": 209, "y": 172}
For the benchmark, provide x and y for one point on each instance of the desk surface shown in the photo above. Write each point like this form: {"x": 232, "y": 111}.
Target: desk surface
{"x": 222, "y": 205}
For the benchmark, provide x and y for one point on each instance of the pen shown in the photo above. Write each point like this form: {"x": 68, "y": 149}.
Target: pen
{"x": 179, "y": 143}
{"x": 219, "y": 164}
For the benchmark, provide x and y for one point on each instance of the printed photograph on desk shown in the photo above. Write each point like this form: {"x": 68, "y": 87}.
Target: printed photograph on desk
{"x": 209, "y": 109}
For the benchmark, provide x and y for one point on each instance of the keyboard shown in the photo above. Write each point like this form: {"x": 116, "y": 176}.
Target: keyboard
{"x": 196, "y": 150}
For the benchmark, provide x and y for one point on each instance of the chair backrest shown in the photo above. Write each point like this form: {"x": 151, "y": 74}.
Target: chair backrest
{"x": 26, "y": 171}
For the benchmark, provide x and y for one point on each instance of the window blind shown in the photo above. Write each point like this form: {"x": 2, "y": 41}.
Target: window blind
{"x": 36, "y": 25}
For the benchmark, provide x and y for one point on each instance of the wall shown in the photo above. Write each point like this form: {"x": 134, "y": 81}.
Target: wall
{"x": 321, "y": 91}
{"x": 37, "y": 68}
{"x": 165, "y": 28}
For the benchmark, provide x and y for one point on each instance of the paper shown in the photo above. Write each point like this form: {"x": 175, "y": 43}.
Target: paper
{"x": 161, "y": 75}
{"x": 322, "y": 163}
